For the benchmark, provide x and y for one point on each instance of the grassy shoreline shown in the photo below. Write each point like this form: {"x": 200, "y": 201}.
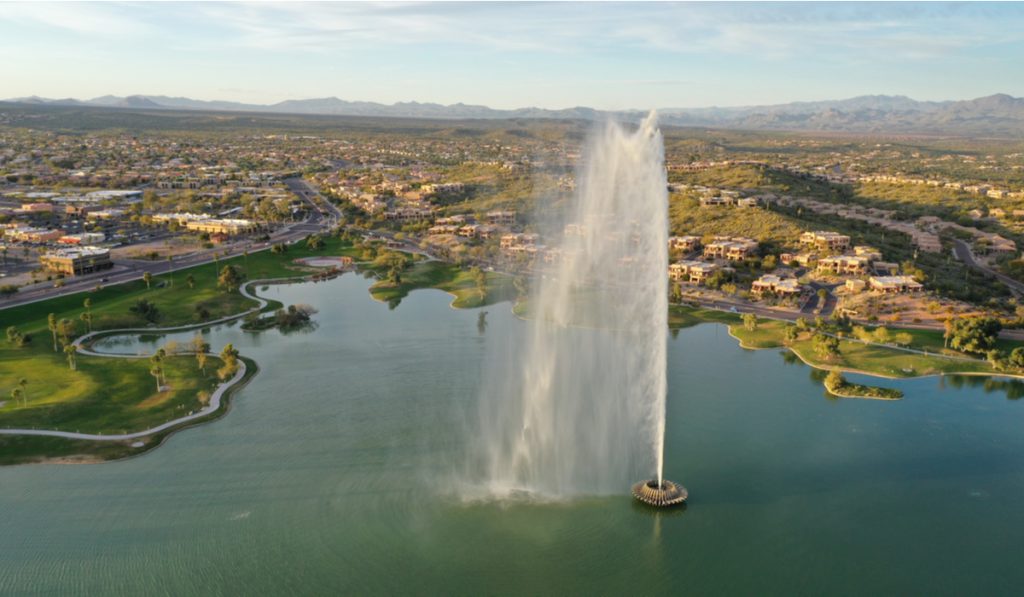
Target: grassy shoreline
{"x": 109, "y": 395}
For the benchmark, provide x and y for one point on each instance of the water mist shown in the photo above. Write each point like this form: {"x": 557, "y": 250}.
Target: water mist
{"x": 578, "y": 405}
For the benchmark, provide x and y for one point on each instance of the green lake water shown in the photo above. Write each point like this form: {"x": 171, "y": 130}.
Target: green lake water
{"x": 336, "y": 472}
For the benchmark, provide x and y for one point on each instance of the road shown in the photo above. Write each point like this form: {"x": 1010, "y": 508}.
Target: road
{"x": 126, "y": 270}
{"x": 962, "y": 251}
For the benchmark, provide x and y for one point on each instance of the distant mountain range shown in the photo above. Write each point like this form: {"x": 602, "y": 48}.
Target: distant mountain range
{"x": 998, "y": 114}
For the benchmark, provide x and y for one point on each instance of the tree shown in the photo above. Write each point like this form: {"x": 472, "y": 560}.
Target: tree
{"x": 13, "y": 333}
{"x": 51, "y": 322}
{"x": 791, "y": 334}
{"x": 87, "y": 318}
{"x": 157, "y": 371}
{"x": 314, "y": 242}
{"x": 480, "y": 279}
{"x": 801, "y": 324}
{"x": 826, "y": 346}
{"x": 191, "y": 281}
{"x": 201, "y": 347}
{"x": 881, "y": 335}
{"x": 822, "y": 294}
{"x": 66, "y": 330}
{"x": 903, "y": 339}
{"x": 22, "y": 385}
{"x": 229, "y": 356}
{"x": 157, "y": 361}
{"x": 69, "y": 352}
{"x": 749, "y": 322}
{"x": 230, "y": 278}
{"x": 975, "y": 334}
{"x": 1016, "y": 358}
{"x": 17, "y": 394}
{"x": 834, "y": 380}
{"x": 148, "y": 279}
{"x": 146, "y": 310}
{"x": 995, "y": 359}
{"x": 947, "y": 334}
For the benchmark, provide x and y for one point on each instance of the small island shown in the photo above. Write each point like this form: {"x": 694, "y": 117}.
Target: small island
{"x": 837, "y": 385}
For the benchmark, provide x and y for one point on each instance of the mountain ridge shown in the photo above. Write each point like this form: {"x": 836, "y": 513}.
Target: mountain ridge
{"x": 997, "y": 113}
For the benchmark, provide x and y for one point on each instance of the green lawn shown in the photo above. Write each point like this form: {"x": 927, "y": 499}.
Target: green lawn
{"x": 449, "y": 278}
{"x": 880, "y": 360}
{"x": 105, "y": 395}
{"x": 111, "y": 395}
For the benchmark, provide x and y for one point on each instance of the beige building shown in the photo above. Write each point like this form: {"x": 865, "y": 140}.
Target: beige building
{"x": 894, "y": 284}
{"x": 733, "y": 249}
{"x": 831, "y": 242}
{"x": 694, "y": 272}
{"x": 775, "y": 285}
{"x": 844, "y": 265}
{"x": 685, "y": 244}
{"x": 501, "y": 218}
{"x": 77, "y": 261}
{"x": 221, "y": 226}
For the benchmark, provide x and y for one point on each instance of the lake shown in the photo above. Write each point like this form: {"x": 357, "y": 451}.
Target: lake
{"x": 335, "y": 472}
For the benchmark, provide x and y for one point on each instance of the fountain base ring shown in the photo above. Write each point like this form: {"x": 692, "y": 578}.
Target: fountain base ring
{"x": 665, "y": 495}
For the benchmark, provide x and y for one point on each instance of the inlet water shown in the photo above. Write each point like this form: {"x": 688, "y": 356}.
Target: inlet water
{"x": 577, "y": 404}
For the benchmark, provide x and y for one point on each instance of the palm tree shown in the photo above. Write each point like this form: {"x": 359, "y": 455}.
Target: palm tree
{"x": 16, "y": 395}
{"x": 69, "y": 350}
{"x": 148, "y": 279}
{"x": 51, "y": 322}
{"x": 191, "y": 281}
{"x": 87, "y": 318}
{"x": 157, "y": 372}
{"x": 22, "y": 384}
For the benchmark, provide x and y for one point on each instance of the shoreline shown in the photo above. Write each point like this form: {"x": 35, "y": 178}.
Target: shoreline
{"x": 842, "y": 369}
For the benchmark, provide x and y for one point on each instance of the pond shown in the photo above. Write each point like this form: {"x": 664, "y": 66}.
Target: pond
{"x": 337, "y": 470}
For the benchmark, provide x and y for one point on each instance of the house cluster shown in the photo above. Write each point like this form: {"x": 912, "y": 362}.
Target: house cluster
{"x": 692, "y": 271}
{"x": 465, "y": 226}
{"x": 830, "y": 253}
{"x": 735, "y": 248}
{"x": 974, "y": 189}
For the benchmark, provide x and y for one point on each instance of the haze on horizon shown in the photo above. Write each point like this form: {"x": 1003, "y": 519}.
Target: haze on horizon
{"x": 509, "y": 55}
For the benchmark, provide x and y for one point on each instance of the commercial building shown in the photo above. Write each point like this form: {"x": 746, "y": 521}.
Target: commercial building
{"x": 77, "y": 261}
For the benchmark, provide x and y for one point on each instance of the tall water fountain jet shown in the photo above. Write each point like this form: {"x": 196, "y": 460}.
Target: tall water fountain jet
{"x": 578, "y": 405}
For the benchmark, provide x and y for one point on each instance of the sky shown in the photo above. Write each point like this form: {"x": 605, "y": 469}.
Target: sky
{"x": 508, "y": 55}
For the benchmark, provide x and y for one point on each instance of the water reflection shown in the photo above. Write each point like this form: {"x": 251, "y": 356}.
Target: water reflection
{"x": 1012, "y": 388}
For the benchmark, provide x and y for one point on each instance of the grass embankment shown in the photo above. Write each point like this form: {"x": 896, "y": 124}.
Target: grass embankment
{"x": 113, "y": 395}
{"x": 884, "y": 361}
{"x": 450, "y": 278}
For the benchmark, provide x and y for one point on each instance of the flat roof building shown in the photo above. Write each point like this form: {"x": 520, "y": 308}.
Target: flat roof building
{"x": 77, "y": 261}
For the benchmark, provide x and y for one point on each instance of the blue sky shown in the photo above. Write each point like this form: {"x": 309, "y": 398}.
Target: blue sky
{"x": 507, "y": 55}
